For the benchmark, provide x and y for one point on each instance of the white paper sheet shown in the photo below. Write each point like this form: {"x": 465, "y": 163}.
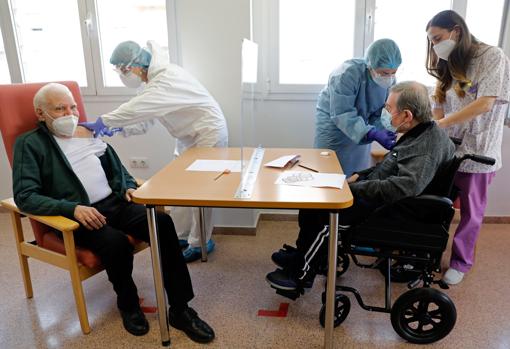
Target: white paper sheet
{"x": 281, "y": 162}
{"x": 215, "y": 165}
{"x": 309, "y": 179}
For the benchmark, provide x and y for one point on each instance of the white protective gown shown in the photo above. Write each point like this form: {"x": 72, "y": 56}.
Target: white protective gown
{"x": 188, "y": 112}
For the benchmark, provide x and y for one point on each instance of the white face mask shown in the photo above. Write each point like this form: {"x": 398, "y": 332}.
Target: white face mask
{"x": 383, "y": 81}
{"x": 445, "y": 47}
{"x": 65, "y": 125}
{"x": 131, "y": 80}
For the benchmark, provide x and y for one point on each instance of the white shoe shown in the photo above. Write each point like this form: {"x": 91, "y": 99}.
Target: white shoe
{"x": 453, "y": 276}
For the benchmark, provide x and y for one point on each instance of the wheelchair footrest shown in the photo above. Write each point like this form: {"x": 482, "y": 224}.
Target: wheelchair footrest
{"x": 291, "y": 294}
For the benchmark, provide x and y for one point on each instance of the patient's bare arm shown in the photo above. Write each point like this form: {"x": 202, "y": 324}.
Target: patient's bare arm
{"x": 82, "y": 132}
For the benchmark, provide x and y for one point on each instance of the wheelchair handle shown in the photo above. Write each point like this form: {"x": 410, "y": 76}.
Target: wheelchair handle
{"x": 481, "y": 159}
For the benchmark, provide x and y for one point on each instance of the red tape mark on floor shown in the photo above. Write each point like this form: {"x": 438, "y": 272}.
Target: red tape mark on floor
{"x": 281, "y": 312}
{"x": 147, "y": 309}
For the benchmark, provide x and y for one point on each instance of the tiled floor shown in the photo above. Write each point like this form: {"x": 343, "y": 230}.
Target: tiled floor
{"x": 230, "y": 289}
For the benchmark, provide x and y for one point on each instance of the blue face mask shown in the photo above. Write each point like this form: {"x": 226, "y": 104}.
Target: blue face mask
{"x": 386, "y": 121}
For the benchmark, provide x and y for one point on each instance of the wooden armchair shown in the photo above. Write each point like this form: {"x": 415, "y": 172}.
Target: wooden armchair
{"x": 17, "y": 116}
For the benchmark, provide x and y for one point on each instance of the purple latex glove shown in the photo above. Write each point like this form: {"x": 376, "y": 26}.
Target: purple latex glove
{"x": 99, "y": 128}
{"x": 110, "y": 131}
{"x": 383, "y": 137}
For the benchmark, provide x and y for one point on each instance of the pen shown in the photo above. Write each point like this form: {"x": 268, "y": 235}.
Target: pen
{"x": 225, "y": 171}
{"x": 308, "y": 168}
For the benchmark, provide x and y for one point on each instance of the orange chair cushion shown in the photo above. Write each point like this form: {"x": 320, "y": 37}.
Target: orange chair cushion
{"x": 85, "y": 256}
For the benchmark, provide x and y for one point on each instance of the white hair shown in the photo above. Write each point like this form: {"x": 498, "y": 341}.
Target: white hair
{"x": 41, "y": 97}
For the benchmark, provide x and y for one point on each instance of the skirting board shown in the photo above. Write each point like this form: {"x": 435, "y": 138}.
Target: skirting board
{"x": 456, "y": 218}
{"x": 246, "y": 231}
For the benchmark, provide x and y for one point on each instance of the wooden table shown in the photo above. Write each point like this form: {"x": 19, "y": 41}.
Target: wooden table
{"x": 174, "y": 186}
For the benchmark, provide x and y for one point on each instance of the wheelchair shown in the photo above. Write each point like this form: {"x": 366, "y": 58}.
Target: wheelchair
{"x": 406, "y": 240}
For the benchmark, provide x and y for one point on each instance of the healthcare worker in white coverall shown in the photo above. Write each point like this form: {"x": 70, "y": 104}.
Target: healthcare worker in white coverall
{"x": 182, "y": 105}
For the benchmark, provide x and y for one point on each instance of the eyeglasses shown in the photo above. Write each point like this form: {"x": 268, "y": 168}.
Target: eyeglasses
{"x": 126, "y": 68}
{"x": 122, "y": 69}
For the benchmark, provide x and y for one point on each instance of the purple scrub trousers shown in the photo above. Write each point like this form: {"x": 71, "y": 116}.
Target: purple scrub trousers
{"x": 473, "y": 200}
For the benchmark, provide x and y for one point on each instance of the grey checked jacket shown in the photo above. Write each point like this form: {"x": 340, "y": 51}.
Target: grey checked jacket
{"x": 408, "y": 168}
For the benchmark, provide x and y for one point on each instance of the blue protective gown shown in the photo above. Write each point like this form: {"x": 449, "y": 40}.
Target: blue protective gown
{"x": 348, "y": 107}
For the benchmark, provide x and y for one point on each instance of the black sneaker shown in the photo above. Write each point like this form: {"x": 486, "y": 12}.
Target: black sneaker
{"x": 134, "y": 322}
{"x": 286, "y": 258}
{"x": 189, "y": 322}
{"x": 285, "y": 280}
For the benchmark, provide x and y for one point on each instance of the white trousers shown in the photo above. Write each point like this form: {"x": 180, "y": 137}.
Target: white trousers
{"x": 187, "y": 223}
{"x": 187, "y": 219}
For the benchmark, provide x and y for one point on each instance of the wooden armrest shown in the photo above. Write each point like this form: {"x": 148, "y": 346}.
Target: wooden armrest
{"x": 57, "y": 222}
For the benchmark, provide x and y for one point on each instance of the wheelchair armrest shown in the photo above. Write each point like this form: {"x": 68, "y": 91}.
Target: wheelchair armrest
{"x": 429, "y": 200}
{"x": 60, "y": 223}
{"x": 480, "y": 158}
{"x": 423, "y": 208}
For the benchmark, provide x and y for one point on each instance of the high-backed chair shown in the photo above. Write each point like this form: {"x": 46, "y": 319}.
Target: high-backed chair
{"x": 16, "y": 117}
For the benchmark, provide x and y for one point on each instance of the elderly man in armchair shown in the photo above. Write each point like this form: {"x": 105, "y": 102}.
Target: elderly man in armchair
{"x": 59, "y": 168}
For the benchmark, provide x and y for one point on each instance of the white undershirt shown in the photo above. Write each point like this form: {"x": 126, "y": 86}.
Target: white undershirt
{"x": 83, "y": 156}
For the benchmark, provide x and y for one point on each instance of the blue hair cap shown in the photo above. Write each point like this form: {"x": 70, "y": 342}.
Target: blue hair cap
{"x": 383, "y": 53}
{"x": 129, "y": 52}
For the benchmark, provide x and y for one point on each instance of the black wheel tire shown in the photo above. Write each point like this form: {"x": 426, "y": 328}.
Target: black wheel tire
{"x": 399, "y": 273}
{"x": 423, "y": 315}
{"x": 342, "y": 308}
{"x": 342, "y": 264}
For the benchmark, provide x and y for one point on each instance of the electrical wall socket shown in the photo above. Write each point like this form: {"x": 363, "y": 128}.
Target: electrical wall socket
{"x": 138, "y": 162}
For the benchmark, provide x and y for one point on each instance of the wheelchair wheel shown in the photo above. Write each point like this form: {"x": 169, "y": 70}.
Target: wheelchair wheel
{"x": 342, "y": 308}
{"x": 423, "y": 315}
{"x": 342, "y": 264}
{"x": 401, "y": 271}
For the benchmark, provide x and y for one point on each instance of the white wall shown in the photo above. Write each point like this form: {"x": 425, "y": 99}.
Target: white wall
{"x": 499, "y": 191}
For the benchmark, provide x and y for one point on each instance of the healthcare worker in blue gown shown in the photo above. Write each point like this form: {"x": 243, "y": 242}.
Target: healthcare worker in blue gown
{"x": 349, "y": 108}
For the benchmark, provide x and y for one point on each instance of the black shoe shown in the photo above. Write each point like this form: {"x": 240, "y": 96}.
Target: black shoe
{"x": 194, "y": 327}
{"x": 135, "y": 322}
{"x": 285, "y": 258}
{"x": 287, "y": 281}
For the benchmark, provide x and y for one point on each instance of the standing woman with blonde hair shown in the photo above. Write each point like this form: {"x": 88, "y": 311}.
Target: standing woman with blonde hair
{"x": 470, "y": 101}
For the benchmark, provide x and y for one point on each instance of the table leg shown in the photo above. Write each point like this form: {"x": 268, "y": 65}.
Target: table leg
{"x": 330, "y": 290}
{"x": 203, "y": 236}
{"x": 158, "y": 277}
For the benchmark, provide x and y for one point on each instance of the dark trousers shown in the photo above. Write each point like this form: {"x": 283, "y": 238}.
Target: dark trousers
{"x": 111, "y": 244}
{"x": 313, "y": 237}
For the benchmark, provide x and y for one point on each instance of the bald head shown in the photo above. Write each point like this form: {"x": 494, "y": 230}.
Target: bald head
{"x": 54, "y": 101}
{"x": 48, "y": 92}
{"x": 414, "y": 97}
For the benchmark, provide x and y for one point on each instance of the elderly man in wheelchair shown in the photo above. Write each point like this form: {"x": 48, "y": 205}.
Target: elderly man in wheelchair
{"x": 402, "y": 211}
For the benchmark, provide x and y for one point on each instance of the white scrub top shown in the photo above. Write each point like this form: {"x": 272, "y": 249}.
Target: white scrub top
{"x": 178, "y": 101}
{"x": 489, "y": 72}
